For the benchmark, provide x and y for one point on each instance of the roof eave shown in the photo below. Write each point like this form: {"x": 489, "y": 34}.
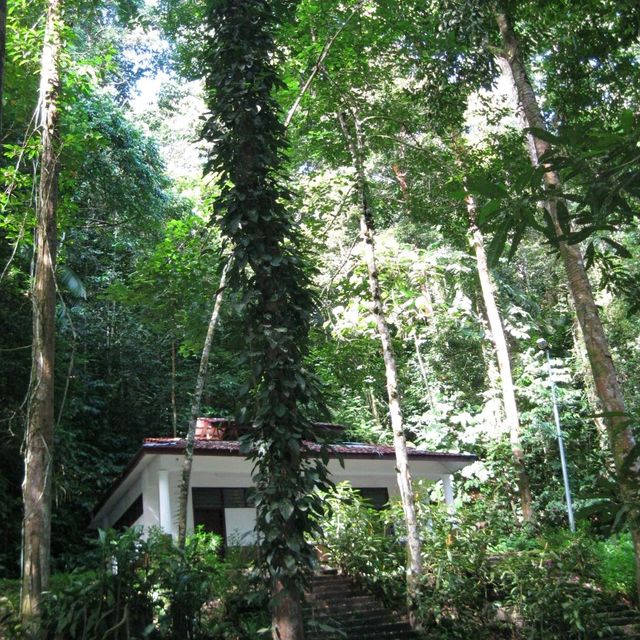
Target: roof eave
{"x": 179, "y": 445}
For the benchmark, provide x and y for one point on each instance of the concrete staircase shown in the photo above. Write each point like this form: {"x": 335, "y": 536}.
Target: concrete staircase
{"x": 623, "y": 622}
{"x": 337, "y": 609}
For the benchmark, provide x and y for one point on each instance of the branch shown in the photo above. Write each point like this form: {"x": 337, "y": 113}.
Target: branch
{"x": 317, "y": 66}
{"x": 335, "y": 274}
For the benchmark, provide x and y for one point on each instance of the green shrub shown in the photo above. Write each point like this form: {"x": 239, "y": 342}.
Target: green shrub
{"x": 9, "y": 609}
{"x": 482, "y": 575}
{"x": 357, "y": 541}
{"x": 241, "y": 609}
{"x": 550, "y": 589}
{"x": 615, "y": 562}
{"x": 109, "y": 595}
{"x": 130, "y": 588}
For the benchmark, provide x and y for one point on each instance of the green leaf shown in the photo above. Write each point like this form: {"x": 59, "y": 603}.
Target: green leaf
{"x": 71, "y": 281}
{"x": 619, "y": 249}
{"x": 286, "y": 509}
{"x": 626, "y": 121}
{"x": 455, "y": 189}
{"x": 485, "y": 212}
{"x": 483, "y": 187}
{"x": 543, "y": 134}
{"x": 497, "y": 244}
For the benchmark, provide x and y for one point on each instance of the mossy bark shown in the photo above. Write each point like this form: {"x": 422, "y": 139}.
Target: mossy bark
{"x": 355, "y": 144}
{"x": 501, "y": 347}
{"x": 38, "y": 461}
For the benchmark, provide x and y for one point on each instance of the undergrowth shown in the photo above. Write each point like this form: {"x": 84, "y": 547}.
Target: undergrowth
{"x": 135, "y": 588}
{"x": 483, "y": 576}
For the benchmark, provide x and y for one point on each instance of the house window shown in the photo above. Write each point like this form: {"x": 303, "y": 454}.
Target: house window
{"x": 236, "y": 498}
{"x": 130, "y": 515}
{"x": 221, "y": 498}
{"x": 207, "y": 498}
{"x": 378, "y": 497}
{"x": 209, "y": 504}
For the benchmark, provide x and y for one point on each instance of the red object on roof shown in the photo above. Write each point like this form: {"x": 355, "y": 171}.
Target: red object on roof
{"x": 212, "y": 428}
{"x": 223, "y": 429}
{"x": 219, "y": 436}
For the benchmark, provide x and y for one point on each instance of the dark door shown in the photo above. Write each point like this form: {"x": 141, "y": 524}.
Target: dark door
{"x": 212, "y": 520}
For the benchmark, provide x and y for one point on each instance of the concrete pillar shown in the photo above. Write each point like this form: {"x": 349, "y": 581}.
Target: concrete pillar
{"x": 164, "y": 495}
{"x": 449, "y": 497}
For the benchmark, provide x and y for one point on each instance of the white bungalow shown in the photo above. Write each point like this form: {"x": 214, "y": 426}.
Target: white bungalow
{"x": 146, "y": 493}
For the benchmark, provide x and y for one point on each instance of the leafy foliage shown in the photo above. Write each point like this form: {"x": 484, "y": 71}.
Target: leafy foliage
{"x": 131, "y": 587}
{"x": 139, "y": 263}
{"x": 483, "y": 576}
{"x": 270, "y": 273}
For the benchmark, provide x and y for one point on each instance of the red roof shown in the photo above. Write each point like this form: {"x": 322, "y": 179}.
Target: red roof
{"x": 232, "y": 448}
{"x": 344, "y": 449}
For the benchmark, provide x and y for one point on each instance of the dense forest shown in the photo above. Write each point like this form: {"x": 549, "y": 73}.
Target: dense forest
{"x": 414, "y": 218}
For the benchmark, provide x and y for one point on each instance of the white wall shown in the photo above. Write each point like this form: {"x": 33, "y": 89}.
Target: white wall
{"x": 121, "y": 503}
{"x": 240, "y": 524}
{"x": 233, "y": 471}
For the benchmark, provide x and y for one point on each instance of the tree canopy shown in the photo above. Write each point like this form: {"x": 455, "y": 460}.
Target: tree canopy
{"x": 191, "y": 130}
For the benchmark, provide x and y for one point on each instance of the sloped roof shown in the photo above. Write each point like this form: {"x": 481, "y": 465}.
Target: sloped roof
{"x": 208, "y": 447}
{"x": 344, "y": 449}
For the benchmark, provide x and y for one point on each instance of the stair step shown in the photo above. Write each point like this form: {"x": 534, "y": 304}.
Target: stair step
{"x": 331, "y": 592}
{"x": 375, "y": 616}
{"x": 620, "y": 606}
{"x": 333, "y": 584}
{"x": 373, "y": 635}
{"x": 623, "y": 618}
{"x": 337, "y": 609}
{"x": 328, "y": 577}
{"x": 355, "y": 603}
{"x": 379, "y": 621}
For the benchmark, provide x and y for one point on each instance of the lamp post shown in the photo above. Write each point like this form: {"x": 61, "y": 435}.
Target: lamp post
{"x": 543, "y": 345}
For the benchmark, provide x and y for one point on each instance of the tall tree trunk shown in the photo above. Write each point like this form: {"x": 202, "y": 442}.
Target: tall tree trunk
{"x": 371, "y": 398}
{"x": 36, "y": 488}
{"x": 400, "y": 174}
{"x": 367, "y": 231}
{"x": 605, "y": 377}
{"x": 423, "y": 371}
{"x": 3, "y": 38}
{"x": 504, "y": 361}
{"x": 494, "y": 401}
{"x": 174, "y": 404}
{"x": 582, "y": 361}
{"x": 254, "y": 215}
{"x": 187, "y": 462}
{"x": 288, "y": 621}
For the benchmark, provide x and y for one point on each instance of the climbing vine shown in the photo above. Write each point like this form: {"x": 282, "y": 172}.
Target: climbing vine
{"x": 253, "y": 210}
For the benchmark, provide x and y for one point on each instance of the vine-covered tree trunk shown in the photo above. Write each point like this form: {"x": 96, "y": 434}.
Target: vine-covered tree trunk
{"x": 605, "y": 376}
{"x": 403, "y": 475}
{"x": 273, "y": 282}
{"x": 3, "y": 38}
{"x": 196, "y": 401}
{"x": 36, "y": 489}
{"x": 499, "y": 340}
